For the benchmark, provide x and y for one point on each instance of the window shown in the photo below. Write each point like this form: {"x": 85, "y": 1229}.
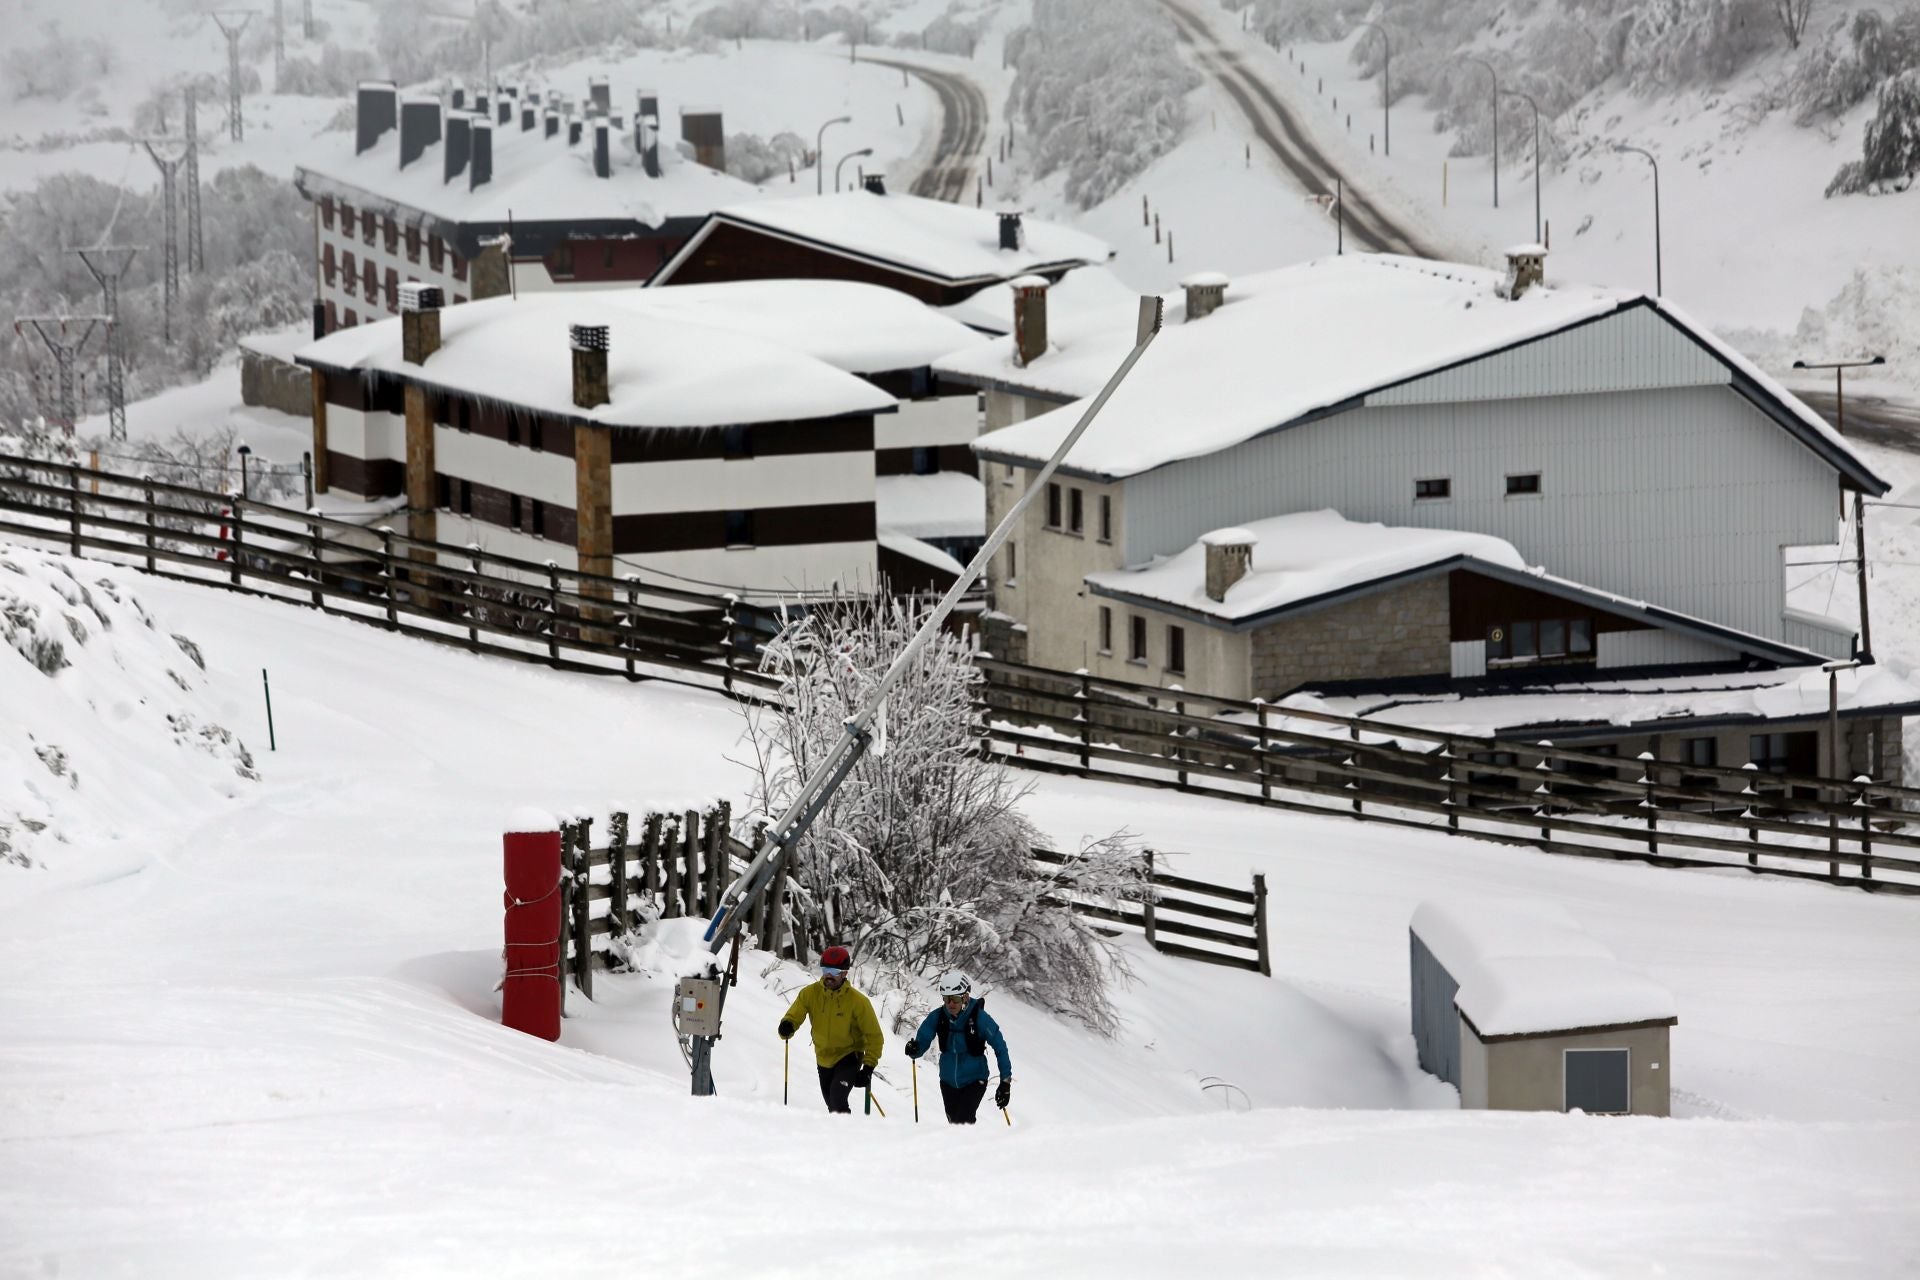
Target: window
{"x": 1008, "y": 477}
{"x": 1076, "y": 516}
{"x": 606, "y": 254}
{"x": 1106, "y": 517}
{"x": 1106, "y": 629}
{"x": 1580, "y": 636}
{"x": 392, "y": 236}
{"x": 368, "y": 223}
{"x": 1522, "y": 485}
{"x": 1596, "y": 1080}
{"x": 436, "y": 252}
{"x": 736, "y": 442}
{"x": 1137, "y": 639}
{"x": 1013, "y": 563}
{"x": 443, "y": 492}
{"x": 1524, "y": 639}
{"x": 466, "y": 497}
{"x": 739, "y": 528}
{"x": 393, "y": 289}
{"x": 1785, "y": 752}
{"x": 1442, "y": 488}
{"x": 327, "y": 267}
{"x": 1699, "y": 751}
{"x": 1529, "y": 640}
{"x": 352, "y": 319}
{"x": 370, "y": 277}
{"x": 333, "y": 316}
{"x": 413, "y": 244}
{"x": 352, "y": 272}
{"x": 537, "y": 522}
{"x": 346, "y": 217}
{"x": 1553, "y": 639}
{"x": 459, "y": 268}
{"x": 513, "y": 510}
{"x": 1176, "y": 649}
{"x": 1053, "y": 505}
{"x": 925, "y": 461}
{"x": 563, "y": 260}
{"x": 326, "y": 212}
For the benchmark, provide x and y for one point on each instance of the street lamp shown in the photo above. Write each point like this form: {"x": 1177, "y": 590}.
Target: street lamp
{"x": 1528, "y": 99}
{"x": 1659, "y": 285}
{"x": 851, "y": 155}
{"x": 1386, "y": 84}
{"x": 1496, "y": 124}
{"x": 819, "y": 156}
{"x": 244, "y": 453}
{"x": 1839, "y": 368}
{"x": 1837, "y": 793}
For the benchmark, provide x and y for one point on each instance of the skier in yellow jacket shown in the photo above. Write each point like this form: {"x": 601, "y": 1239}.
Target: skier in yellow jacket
{"x": 846, "y": 1034}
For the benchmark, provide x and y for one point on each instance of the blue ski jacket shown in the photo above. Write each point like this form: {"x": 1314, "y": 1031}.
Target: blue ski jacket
{"x": 958, "y": 1066}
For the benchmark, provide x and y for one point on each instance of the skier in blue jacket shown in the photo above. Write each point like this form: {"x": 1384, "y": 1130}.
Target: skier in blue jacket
{"x": 963, "y": 1029}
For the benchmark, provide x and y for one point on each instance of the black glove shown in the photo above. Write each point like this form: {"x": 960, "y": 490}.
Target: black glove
{"x": 863, "y": 1078}
{"x": 915, "y": 1048}
{"x": 1002, "y": 1094}
{"x": 786, "y": 1029}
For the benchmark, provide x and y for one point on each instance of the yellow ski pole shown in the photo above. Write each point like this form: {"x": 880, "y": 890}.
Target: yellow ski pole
{"x": 875, "y": 1103}
{"x": 916, "y": 1091}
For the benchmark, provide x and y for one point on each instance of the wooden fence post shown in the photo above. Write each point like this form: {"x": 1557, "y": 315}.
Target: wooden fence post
{"x": 152, "y": 522}
{"x": 386, "y": 572}
{"x": 1086, "y": 721}
{"x": 1260, "y": 923}
{"x": 473, "y": 608}
{"x": 1180, "y": 753}
{"x": 719, "y": 861}
{"x": 670, "y": 857}
{"x": 726, "y": 647}
{"x": 1753, "y": 819}
{"x": 1266, "y": 781}
{"x": 1147, "y": 907}
{"x": 617, "y": 849}
{"x": 1866, "y": 826}
{"x": 650, "y": 859}
{"x": 1353, "y": 762}
{"x": 553, "y": 608}
{"x": 239, "y": 538}
{"x": 777, "y": 908}
{"x": 1545, "y": 792}
{"x": 1453, "y": 788}
{"x": 690, "y": 853}
{"x": 73, "y": 507}
{"x": 583, "y": 904}
{"x": 567, "y": 891}
{"x": 1651, "y": 777}
{"x": 319, "y": 567}
{"x": 629, "y": 622}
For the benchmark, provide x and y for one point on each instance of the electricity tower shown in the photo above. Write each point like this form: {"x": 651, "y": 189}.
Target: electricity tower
{"x": 196, "y": 244}
{"x": 306, "y": 18}
{"x": 221, "y": 17}
{"x": 279, "y": 41}
{"x": 169, "y": 167}
{"x": 109, "y": 262}
{"x": 54, "y": 331}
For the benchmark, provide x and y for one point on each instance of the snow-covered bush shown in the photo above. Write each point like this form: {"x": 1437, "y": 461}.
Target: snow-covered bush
{"x": 754, "y": 159}
{"x": 56, "y": 67}
{"x": 922, "y": 859}
{"x": 335, "y": 75}
{"x": 1891, "y": 153}
{"x": 946, "y": 34}
{"x": 1852, "y": 63}
{"x": 1101, "y": 89}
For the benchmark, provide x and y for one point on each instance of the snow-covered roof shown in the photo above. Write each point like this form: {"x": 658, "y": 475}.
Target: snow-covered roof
{"x": 1527, "y": 967}
{"x": 535, "y": 179}
{"x": 1085, "y": 295}
{"x": 952, "y": 243}
{"x": 1289, "y": 343}
{"x": 1675, "y": 703}
{"x": 920, "y": 552}
{"x": 947, "y": 504}
{"x": 1299, "y": 557}
{"x": 663, "y": 369}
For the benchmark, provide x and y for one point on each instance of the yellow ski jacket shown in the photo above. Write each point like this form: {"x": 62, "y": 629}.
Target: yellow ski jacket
{"x": 843, "y": 1023}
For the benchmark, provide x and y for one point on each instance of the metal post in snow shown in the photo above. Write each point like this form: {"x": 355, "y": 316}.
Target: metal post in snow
{"x": 267, "y": 689}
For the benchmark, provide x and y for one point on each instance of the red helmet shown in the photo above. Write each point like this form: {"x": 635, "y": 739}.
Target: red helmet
{"x": 836, "y": 958}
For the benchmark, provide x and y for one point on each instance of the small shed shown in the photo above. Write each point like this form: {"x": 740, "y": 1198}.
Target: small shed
{"x": 1521, "y": 1009}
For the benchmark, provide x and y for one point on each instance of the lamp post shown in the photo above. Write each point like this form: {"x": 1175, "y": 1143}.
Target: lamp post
{"x": 1386, "y": 85}
{"x": 245, "y": 453}
{"x": 1496, "y": 124}
{"x": 1837, "y": 794}
{"x": 1840, "y": 368}
{"x": 851, "y": 155}
{"x": 820, "y": 157}
{"x": 1659, "y": 284}
{"x": 1528, "y": 99}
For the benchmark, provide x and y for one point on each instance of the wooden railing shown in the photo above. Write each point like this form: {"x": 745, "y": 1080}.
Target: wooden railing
{"x": 457, "y": 595}
{"x": 1192, "y": 910}
{"x": 1561, "y": 799}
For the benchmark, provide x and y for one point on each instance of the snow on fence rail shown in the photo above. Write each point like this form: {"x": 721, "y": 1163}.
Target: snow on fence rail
{"x": 678, "y": 864}
{"x": 1562, "y": 800}
{"x": 458, "y": 595}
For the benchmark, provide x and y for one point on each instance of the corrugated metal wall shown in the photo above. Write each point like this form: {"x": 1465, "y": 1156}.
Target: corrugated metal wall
{"x": 1834, "y": 639}
{"x": 1681, "y": 497}
{"x": 1653, "y": 648}
{"x": 1436, "y": 1027}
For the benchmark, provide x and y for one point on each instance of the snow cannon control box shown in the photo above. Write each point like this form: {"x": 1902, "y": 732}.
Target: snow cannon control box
{"x": 697, "y": 1005}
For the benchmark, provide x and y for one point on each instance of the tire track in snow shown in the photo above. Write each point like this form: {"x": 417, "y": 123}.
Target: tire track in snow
{"x": 963, "y": 132}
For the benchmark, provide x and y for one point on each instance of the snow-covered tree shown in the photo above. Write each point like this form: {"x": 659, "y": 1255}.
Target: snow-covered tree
{"x": 922, "y": 859}
{"x": 1890, "y": 156}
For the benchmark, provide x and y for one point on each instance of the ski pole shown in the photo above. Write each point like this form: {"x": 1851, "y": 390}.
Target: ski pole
{"x": 916, "y": 1091}
{"x": 875, "y": 1104}
{"x": 786, "y": 1068}
{"x": 1007, "y": 1116}
{"x": 866, "y": 1108}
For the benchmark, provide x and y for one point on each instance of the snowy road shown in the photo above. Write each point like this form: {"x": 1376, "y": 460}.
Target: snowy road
{"x": 1891, "y": 423}
{"x": 963, "y": 131}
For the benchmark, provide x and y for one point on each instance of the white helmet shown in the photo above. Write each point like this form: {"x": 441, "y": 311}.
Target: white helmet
{"x": 955, "y": 982}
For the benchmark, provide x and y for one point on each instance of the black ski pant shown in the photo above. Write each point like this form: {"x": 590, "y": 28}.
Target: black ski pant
{"x": 836, "y": 1082}
{"x": 962, "y": 1101}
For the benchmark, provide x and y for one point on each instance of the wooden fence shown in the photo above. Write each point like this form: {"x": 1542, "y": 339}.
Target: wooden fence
{"x": 677, "y": 865}
{"x": 455, "y": 595}
{"x": 1560, "y": 799}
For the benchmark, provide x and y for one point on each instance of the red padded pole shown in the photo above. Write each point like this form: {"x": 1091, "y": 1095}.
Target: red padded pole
{"x": 530, "y": 991}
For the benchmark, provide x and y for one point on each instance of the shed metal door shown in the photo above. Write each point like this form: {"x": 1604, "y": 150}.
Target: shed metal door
{"x": 1596, "y": 1080}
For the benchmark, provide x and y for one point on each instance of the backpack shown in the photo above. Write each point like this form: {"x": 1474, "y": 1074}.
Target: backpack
{"x": 976, "y": 1043}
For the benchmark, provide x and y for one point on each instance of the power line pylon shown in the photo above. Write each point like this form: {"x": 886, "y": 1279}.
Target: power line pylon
{"x": 109, "y": 262}
{"x": 57, "y": 333}
{"x": 196, "y": 244}
{"x": 236, "y": 129}
{"x": 169, "y": 167}
{"x": 306, "y": 18}
{"x": 279, "y": 42}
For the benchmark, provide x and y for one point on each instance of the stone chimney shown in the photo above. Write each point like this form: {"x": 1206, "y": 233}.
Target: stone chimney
{"x": 503, "y": 108}
{"x": 375, "y": 110}
{"x": 457, "y": 99}
{"x": 599, "y": 97}
{"x": 1012, "y": 234}
{"x": 459, "y": 147}
{"x": 1029, "y": 319}
{"x": 874, "y": 182}
{"x": 1229, "y": 557}
{"x": 589, "y": 343}
{"x": 480, "y": 164}
{"x": 705, "y": 132}
{"x": 646, "y": 131}
{"x": 419, "y": 321}
{"x": 602, "y": 151}
{"x": 1206, "y": 290}
{"x": 573, "y": 132}
{"x": 1526, "y": 267}
{"x": 419, "y": 128}
{"x": 489, "y": 274}
{"x": 552, "y": 121}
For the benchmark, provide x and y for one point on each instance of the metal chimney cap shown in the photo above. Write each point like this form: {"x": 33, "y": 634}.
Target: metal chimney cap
{"x": 588, "y": 337}
{"x": 416, "y": 296}
{"x": 1234, "y": 536}
{"x": 1205, "y": 280}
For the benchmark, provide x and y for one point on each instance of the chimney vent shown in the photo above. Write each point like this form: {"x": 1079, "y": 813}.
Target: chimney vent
{"x": 1229, "y": 557}
{"x": 573, "y": 133}
{"x": 480, "y": 164}
{"x": 601, "y": 97}
{"x": 459, "y": 146}
{"x": 1526, "y": 267}
{"x": 375, "y": 110}
{"x": 552, "y": 119}
{"x": 874, "y": 182}
{"x": 602, "y": 156}
{"x": 1029, "y": 319}
{"x": 589, "y": 342}
{"x": 1206, "y": 290}
{"x": 503, "y": 109}
{"x": 1012, "y": 234}
{"x": 457, "y": 98}
{"x": 419, "y": 321}
{"x": 419, "y": 128}
{"x": 527, "y": 117}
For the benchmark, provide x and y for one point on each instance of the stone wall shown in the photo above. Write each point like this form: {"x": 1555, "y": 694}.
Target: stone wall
{"x": 1399, "y": 632}
{"x": 275, "y": 384}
